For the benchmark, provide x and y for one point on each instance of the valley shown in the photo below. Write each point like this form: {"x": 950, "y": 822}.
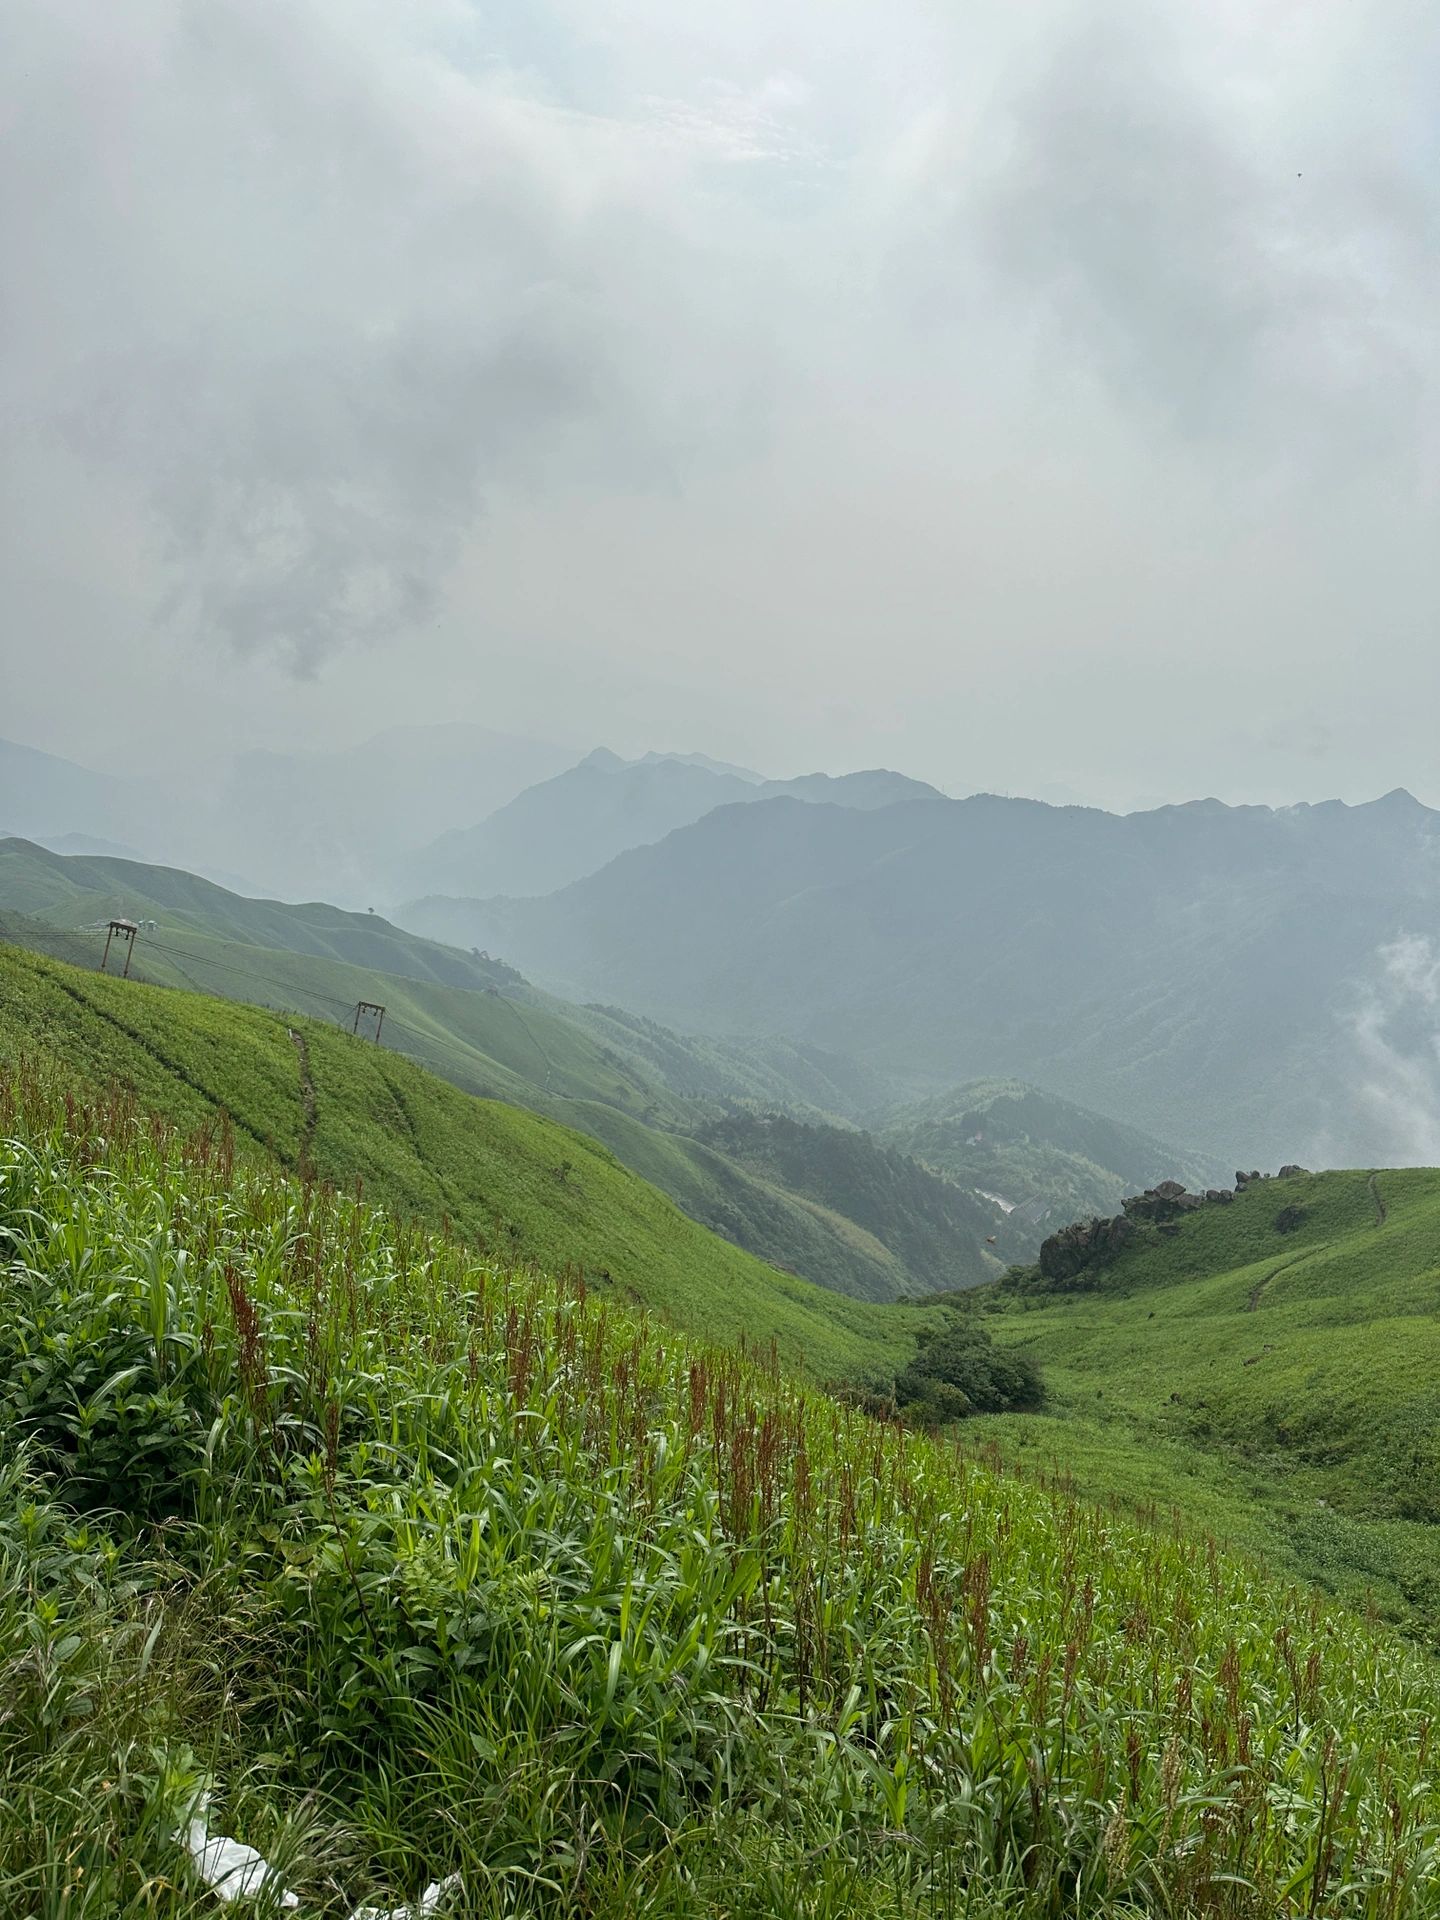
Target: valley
{"x": 651, "y": 1095}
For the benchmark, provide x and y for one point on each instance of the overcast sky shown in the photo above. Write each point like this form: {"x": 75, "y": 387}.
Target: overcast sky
{"x": 1040, "y": 398}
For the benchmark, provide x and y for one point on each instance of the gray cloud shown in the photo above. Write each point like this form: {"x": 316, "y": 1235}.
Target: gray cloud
{"x": 814, "y": 381}
{"x": 308, "y": 287}
{"x": 1252, "y": 277}
{"x": 1394, "y": 1038}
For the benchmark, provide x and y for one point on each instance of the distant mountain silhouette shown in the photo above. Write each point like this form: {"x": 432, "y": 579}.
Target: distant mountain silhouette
{"x": 572, "y": 825}
{"x": 1259, "y": 982}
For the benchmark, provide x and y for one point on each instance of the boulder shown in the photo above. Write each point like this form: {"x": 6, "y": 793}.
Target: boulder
{"x": 1163, "y": 1202}
{"x": 1087, "y": 1244}
{"x": 1291, "y": 1172}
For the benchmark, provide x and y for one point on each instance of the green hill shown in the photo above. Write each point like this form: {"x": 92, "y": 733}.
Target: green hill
{"x": 513, "y": 1183}
{"x": 1048, "y": 1160}
{"x": 947, "y": 1237}
{"x": 477, "y": 1023}
{"x": 1270, "y": 1365}
{"x": 416, "y": 1564}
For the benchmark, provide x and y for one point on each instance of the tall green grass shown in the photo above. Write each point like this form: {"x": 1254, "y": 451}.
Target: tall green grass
{"x": 431, "y": 1566}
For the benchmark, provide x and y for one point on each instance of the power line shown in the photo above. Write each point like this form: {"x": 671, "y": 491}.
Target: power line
{"x": 433, "y": 1042}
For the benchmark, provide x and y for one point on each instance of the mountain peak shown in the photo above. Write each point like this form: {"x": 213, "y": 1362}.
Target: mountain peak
{"x": 1400, "y": 800}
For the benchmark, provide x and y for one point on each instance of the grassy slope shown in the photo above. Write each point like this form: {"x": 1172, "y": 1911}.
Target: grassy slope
{"x": 745, "y": 1207}
{"x": 483, "y": 1028}
{"x": 636, "y": 1087}
{"x": 444, "y": 1568}
{"x": 423, "y": 1147}
{"x": 1280, "y": 1387}
{"x": 500, "y": 1047}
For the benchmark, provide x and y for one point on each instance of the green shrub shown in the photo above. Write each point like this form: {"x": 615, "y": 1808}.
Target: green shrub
{"x": 959, "y": 1370}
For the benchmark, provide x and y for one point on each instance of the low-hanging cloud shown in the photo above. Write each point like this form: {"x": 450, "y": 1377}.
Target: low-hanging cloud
{"x": 591, "y": 369}
{"x": 1246, "y": 263}
{"x": 1394, "y": 1033}
{"x": 307, "y": 277}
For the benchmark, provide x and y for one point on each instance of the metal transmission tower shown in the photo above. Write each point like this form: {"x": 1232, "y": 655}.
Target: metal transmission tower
{"x": 374, "y": 1008}
{"x": 126, "y": 930}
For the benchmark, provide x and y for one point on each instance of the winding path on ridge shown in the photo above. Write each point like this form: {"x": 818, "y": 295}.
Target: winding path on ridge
{"x": 1382, "y": 1212}
{"x": 1274, "y": 1274}
{"x": 305, "y": 1165}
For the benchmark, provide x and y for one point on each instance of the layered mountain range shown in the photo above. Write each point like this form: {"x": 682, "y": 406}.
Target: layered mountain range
{"x": 1262, "y": 982}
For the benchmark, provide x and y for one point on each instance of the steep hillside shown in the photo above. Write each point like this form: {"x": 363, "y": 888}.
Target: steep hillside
{"x": 514, "y": 1184}
{"x": 88, "y": 889}
{"x": 1258, "y": 982}
{"x": 574, "y": 824}
{"x": 467, "y": 1016}
{"x": 482, "y": 1027}
{"x": 403, "y": 1566}
{"x": 1270, "y": 1364}
{"x": 1048, "y": 1160}
{"x": 946, "y": 1237}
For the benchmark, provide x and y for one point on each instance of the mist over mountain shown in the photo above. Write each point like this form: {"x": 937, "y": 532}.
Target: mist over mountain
{"x": 43, "y": 797}
{"x": 321, "y": 825}
{"x": 330, "y": 825}
{"x": 573, "y": 824}
{"x": 1261, "y": 982}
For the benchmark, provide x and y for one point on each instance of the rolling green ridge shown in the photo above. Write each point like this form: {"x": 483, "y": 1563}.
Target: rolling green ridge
{"x": 511, "y": 1182}
{"x": 946, "y": 1236}
{"x": 1271, "y": 1366}
{"x": 398, "y": 1563}
{"x": 478, "y": 1024}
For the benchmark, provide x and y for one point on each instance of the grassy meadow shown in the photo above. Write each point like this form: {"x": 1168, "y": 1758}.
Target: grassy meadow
{"x": 1278, "y": 1383}
{"x": 428, "y": 1563}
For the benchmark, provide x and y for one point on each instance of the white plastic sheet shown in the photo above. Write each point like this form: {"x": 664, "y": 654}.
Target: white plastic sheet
{"x": 431, "y": 1901}
{"x": 230, "y": 1870}
{"x": 235, "y": 1872}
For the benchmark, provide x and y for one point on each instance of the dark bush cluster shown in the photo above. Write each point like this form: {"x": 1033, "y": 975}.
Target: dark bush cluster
{"x": 959, "y": 1371}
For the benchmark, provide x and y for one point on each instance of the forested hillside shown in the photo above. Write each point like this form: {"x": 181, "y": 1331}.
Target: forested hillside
{"x": 1048, "y": 1160}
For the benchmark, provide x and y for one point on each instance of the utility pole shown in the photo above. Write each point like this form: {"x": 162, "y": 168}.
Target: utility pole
{"x": 373, "y": 1007}
{"x": 127, "y": 930}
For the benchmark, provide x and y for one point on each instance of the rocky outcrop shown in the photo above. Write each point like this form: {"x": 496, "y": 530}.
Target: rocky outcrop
{"x": 1086, "y": 1244}
{"x": 1075, "y": 1252}
{"x": 1165, "y": 1202}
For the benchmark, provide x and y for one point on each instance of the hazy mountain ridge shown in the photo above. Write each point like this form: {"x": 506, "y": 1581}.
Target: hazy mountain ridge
{"x": 1049, "y": 1160}
{"x": 564, "y": 828}
{"x": 1237, "y": 976}
{"x": 326, "y": 824}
